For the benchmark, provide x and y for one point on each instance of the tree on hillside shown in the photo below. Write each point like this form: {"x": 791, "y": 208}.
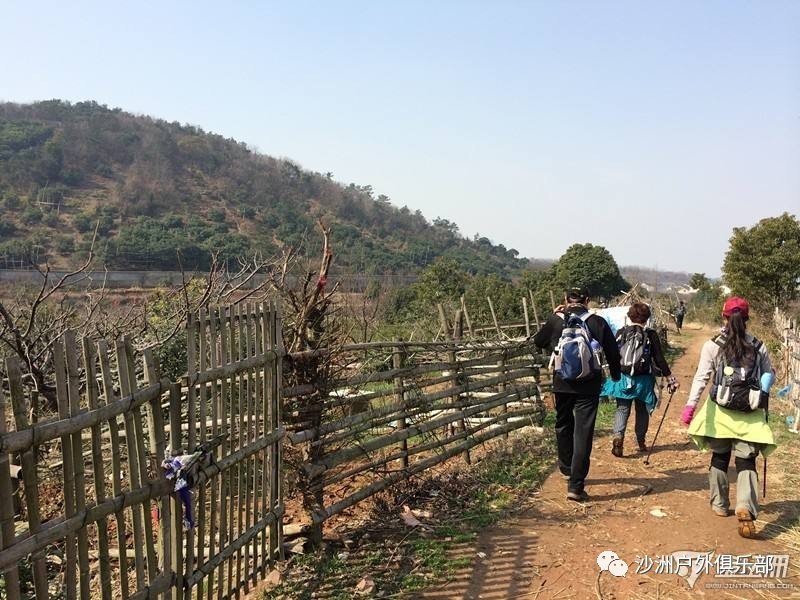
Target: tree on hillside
{"x": 763, "y": 261}
{"x": 442, "y": 281}
{"x": 699, "y": 282}
{"x": 591, "y": 267}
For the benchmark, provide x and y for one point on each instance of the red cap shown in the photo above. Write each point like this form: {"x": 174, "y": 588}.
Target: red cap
{"x": 735, "y": 304}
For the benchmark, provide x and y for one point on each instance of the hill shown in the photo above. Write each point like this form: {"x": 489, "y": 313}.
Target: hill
{"x": 158, "y": 189}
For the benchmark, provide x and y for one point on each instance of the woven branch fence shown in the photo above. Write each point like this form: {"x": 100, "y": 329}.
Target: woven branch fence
{"x": 789, "y": 330}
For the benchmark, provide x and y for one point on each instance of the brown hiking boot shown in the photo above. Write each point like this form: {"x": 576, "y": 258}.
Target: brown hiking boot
{"x": 747, "y": 528}
{"x": 642, "y": 446}
{"x": 616, "y": 447}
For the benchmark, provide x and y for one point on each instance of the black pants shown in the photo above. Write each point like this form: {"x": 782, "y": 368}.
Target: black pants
{"x": 679, "y": 321}
{"x": 575, "y": 417}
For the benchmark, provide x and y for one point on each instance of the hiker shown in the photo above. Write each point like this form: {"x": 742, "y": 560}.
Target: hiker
{"x": 733, "y": 420}
{"x": 575, "y": 336}
{"x": 680, "y": 312}
{"x": 641, "y": 360}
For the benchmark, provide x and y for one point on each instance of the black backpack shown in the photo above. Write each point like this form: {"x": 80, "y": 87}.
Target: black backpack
{"x": 737, "y": 385}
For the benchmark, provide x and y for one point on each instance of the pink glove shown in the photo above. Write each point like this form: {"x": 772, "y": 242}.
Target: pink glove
{"x": 687, "y": 414}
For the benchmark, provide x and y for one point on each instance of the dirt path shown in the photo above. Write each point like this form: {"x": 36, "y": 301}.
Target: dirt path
{"x": 551, "y": 552}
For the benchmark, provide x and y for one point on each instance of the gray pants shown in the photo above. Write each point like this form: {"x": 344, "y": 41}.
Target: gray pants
{"x": 622, "y": 414}
{"x": 746, "y": 479}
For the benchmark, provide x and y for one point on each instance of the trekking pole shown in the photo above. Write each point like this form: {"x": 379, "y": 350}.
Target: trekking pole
{"x": 653, "y": 444}
{"x": 764, "y": 478}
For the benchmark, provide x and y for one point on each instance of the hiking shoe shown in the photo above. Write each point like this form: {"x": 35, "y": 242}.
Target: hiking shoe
{"x": 616, "y": 447}
{"x": 642, "y": 445}
{"x": 747, "y": 527}
{"x": 721, "y": 512}
{"x": 566, "y": 476}
{"x": 581, "y": 496}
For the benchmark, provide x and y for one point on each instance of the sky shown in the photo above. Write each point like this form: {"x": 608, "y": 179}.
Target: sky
{"x": 651, "y": 128}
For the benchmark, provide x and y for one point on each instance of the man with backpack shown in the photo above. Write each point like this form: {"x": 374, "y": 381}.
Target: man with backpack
{"x": 576, "y": 337}
{"x": 679, "y": 314}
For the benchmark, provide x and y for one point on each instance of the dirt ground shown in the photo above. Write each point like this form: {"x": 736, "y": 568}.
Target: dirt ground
{"x": 550, "y": 552}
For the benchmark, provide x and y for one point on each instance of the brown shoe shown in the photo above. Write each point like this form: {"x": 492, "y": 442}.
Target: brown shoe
{"x": 721, "y": 512}
{"x": 616, "y": 447}
{"x": 747, "y": 528}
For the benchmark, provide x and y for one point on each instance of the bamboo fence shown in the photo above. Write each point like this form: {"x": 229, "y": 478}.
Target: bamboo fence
{"x": 102, "y": 522}
{"x": 87, "y": 512}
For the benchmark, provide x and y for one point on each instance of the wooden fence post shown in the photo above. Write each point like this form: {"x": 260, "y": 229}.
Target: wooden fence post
{"x": 398, "y": 362}
{"x": 494, "y": 318}
{"x": 527, "y": 319}
{"x": 176, "y": 532}
{"x": 535, "y": 312}
{"x": 443, "y": 323}
{"x": 29, "y": 475}
{"x": 466, "y": 317}
{"x": 457, "y": 378}
{"x": 501, "y": 387}
{"x": 62, "y": 397}
{"x": 7, "y": 510}
{"x": 98, "y": 468}
{"x": 155, "y": 418}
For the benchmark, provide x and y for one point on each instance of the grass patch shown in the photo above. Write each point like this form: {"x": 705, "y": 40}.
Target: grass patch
{"x": 402, "y": 561}
{"x": 605, "y": 416}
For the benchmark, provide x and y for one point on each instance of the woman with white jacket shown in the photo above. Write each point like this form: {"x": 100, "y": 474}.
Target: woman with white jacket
{"x": 733, "y": 419}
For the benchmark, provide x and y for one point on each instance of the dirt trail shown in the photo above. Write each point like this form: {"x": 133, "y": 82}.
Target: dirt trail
{"x": 551, "y": 551}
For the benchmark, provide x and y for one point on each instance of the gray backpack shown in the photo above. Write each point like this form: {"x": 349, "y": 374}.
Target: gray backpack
{"x": 634, "y": 350}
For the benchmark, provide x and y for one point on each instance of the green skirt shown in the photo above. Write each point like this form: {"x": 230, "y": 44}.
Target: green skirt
{"x": 713, "y": 421}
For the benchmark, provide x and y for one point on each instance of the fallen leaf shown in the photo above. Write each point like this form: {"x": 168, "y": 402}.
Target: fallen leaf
{"x": 366, "y": 586}
{"x": 422, "y": 514}
{"x": 657, "y": 512}
{"x": 408, "y": 518}
{"x": 481, "y": 555}
{"x": 274, "y": 578}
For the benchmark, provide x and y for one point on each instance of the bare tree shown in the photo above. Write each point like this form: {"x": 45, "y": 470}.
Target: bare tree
{"x": 32, "y": 320}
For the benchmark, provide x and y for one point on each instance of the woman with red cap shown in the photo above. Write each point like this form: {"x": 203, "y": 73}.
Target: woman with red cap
{"x": 733, "y": 419}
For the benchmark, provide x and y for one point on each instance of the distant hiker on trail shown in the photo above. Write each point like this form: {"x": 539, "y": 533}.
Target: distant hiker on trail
{"x": 734, "y": 417}
{"x": 575, "y": 337}
{"x": 641, "y": 360}
{"x": 680, "y": 312}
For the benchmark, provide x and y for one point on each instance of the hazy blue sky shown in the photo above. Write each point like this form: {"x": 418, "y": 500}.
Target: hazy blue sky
{"x": 650, "y": 128}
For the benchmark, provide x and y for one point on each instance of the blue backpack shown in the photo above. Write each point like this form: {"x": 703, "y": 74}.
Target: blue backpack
{"x": 575, "y": 359}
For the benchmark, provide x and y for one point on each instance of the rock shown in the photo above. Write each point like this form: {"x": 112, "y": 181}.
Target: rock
{"x": 296, "y": 546}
